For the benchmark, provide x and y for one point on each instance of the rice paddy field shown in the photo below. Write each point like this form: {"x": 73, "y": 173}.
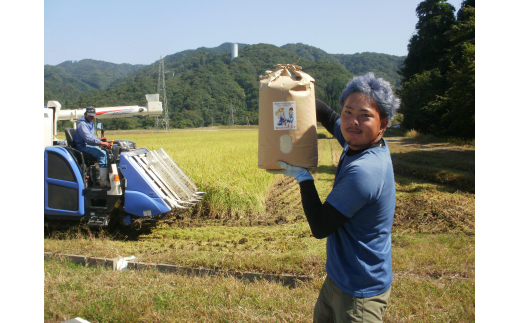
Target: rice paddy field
{"x": 222, "y": 163}
{"x": 251, "y": 220}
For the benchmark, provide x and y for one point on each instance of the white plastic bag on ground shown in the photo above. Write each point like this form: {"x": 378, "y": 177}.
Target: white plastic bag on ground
{"x": 77, "y": 320}
{"x": 122, "y": 264}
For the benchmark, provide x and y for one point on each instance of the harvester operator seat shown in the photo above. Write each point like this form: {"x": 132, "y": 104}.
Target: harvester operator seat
{"x": 69, "y": 135}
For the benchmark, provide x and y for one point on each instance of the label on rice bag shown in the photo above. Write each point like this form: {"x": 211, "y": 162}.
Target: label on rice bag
{"x": 284, "y": 115}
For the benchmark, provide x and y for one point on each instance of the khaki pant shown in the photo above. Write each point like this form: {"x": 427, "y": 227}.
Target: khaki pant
{"x": 334, "y": 305}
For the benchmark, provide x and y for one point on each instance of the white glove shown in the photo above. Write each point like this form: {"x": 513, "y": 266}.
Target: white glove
{"x": 299, "y": 173}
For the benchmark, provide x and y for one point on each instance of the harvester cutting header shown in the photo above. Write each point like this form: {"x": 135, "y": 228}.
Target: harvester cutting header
{"x": 142, "y": 183}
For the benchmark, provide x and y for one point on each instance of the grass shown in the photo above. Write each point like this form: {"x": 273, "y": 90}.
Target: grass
{"x": 433, "y": 281}
{"x": 426, "y": 138}
{"x": 98, "y": 295}
{"x": 287, "y": 248}
{"x": 431, "y": 300}
{"x": 461, "y": 161}
{"x": 461, "y": 181}
{"x": 433, "y": 241}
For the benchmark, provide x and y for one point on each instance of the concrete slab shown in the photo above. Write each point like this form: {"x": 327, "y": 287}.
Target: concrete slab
{"x": 140, "y": 265}
{"x": 203, "y": 272}
{"x": 186, "y": 271}
{"x": 95, "y": 262}
{"x": 110, "y": 264}
{"x": 293, "y": 280}
{"x": 165, "y": 268}
{"x": 252, "y": 277}
{"x": 75, "y": 259}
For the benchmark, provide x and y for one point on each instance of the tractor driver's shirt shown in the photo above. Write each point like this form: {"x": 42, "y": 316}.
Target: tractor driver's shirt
{"x": 361, "y": 205}
{"x": 85, "y": 134}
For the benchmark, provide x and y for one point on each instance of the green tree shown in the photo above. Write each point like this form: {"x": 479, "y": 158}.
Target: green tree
{"x": 421, "y": 103}
{"x": 428, "y": 44}
{"x": 459, "y": 117}
{"x": 438, "y": 93}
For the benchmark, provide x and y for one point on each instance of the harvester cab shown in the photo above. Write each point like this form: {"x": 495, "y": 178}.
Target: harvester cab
{"x": 143, "y": 183}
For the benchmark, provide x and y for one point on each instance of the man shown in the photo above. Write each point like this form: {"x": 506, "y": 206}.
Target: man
{"x": 358, "y": 213}
{"x": 87, "y": 142}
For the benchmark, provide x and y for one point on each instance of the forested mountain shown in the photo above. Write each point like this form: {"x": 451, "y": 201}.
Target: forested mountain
{"x": 176, "y": 58}
{"x": 382, "y": 65}
{"x": 66, "y": 81}
{"x": 311, "y": 53}
{"x": 203, "y": 84}
{"x": 61, "y": 86}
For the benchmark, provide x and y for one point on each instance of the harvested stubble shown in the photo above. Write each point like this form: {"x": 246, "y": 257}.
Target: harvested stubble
{"x": 434, "y": 187}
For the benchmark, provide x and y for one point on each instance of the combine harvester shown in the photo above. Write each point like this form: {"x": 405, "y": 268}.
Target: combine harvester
{"x": 143, "y": 183}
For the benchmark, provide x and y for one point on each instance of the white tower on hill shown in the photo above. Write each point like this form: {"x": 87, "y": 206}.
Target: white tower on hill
{"x": 234, "y": 51}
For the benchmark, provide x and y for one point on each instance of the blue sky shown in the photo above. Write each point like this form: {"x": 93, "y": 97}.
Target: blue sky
{"x": 139, "y": 32}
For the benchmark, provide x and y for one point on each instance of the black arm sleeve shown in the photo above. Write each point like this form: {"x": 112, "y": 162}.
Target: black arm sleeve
{"x": 326, "y": 115}
{"x": 323, "y": 219}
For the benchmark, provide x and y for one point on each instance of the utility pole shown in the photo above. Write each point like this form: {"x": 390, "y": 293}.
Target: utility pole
{"x": 231, "y": 119}
{"x": 247, "y": 121}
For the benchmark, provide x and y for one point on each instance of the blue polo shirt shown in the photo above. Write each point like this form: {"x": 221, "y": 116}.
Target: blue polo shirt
{"x": 359, "y": 256}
